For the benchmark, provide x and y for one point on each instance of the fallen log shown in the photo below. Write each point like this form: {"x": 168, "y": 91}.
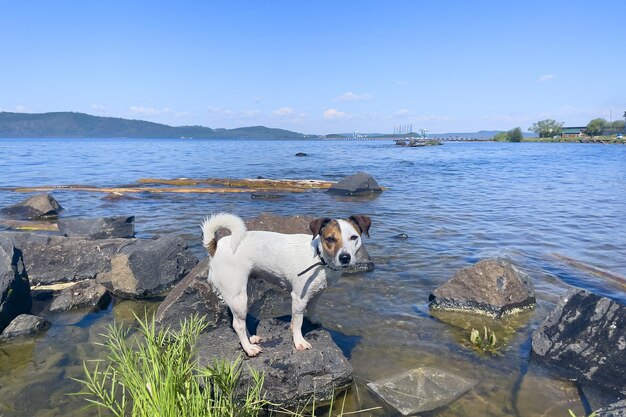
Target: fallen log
{"x": 245, "y": 182}
{"x": 28, "y": 225}
{"x": 616, "y": 278}
{"x": 126, "y": 190}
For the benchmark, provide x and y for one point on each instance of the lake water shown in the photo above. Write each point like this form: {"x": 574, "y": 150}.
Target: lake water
{"x": 458, "y": 203}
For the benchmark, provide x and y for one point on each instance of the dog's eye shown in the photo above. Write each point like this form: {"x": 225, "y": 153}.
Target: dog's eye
{"x": 330, "y": 239}
{"x": 355, "y": 237}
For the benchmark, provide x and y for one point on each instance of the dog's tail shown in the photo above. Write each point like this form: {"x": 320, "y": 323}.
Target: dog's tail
{"x": 218, "y": 221}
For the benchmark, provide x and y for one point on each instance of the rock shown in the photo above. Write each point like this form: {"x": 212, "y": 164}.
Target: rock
{"x": 101, "y": 228}
{"x": 292, "y": 377}
{"x": 359, "y": 183}
{"x": 584, "y": 338}
{"x": 617, "y": 409}
{"x": 15, "y": 297}
{"x": 36, "y": 207}
{"x": 146, "y": 268}
{"x": 421, "y": 389}
{"x": 265, "y": 196}
{"x": 300, "y": 224}
{"x": 25, "y": 325}
{"x": 301, "y": 154}
{"x": 84, "y": 294}
{"x": 494, "y": 287}
{"x": 402, "y": 236}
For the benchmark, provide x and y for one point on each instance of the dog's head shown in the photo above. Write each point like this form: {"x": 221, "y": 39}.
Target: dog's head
{"x": 339, "y": 240}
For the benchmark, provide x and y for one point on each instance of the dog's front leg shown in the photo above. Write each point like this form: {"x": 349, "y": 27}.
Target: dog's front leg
{"x": 297, "y": 315}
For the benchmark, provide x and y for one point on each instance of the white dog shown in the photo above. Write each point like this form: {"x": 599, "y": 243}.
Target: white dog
{"x": 305, "y": 266}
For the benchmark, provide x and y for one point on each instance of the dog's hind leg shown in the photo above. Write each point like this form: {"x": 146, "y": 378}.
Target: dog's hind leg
{"x": 239, "y": 308}
{"x": 297, "y": 315}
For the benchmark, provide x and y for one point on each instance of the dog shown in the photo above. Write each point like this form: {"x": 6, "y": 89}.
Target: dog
{"x": 306, "y": 266}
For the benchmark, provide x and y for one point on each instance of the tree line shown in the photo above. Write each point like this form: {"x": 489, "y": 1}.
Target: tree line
{"x": 549, "y": 128}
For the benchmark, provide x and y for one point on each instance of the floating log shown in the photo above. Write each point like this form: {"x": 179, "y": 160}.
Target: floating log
{"x": 126, "y": 190}
{"x": 245, "y": 182}
{"x": 618, "y": 279}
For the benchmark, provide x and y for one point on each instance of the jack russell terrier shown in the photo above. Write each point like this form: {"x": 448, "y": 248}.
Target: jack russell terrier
{"x": 305, "y": 266}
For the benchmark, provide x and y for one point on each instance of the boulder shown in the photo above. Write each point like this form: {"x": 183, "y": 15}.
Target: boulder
{"x": 292, "y": 377}
{"x": 356, "y": 184}
{"x": 421, "y": 389}
{"x": 36, "y": 207}
{"x": 299, "y": 224}
{"x": 85, "y": 294}
{"x": 101, "y": 228}
{"x": 494, "y": 287}
{"x": 15, "y": 297}
{"x": 301, "y": 154}
{"x": 146, "y": 268}
{"x": 25, "y": 325}
{"x": 617, "y": 409}
{"x": 583, "y": 337}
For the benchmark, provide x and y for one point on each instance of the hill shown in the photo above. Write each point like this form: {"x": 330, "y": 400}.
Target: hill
{"x": 81, "y": 125}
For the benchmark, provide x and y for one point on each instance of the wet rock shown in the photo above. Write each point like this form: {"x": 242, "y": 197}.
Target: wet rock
{"x": 402, "y": 236}
{"x": 301, "y": 154}
{"x": 264, "y": 196}
{"x": 36, "y": 207}
{"x": 146, "y": 268}
{"x": 421, "y": 389}
{"x": 583, "y": 337}
{"x": 15, "y": 297}
{"x": 85, "y": 294}
{"x": 101, "y": 228}
{"x": 617, "y": 409}
{"x": 25, "y": 325}
{"x": 299, "y": 224}
{"x": 292, "y": 377}
{"x": 356, "y": 184}
{"x": 493, "y": 287}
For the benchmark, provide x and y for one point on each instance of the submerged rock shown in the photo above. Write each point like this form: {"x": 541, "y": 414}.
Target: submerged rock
{"x": 36, "y": 207}
{"x": 85, "y": 294}
{"x": 292, "y": 377}
{"x": 493, "y": 286}
{"x": 100, "y": 228}
{"x": 421, "y": 389}
{"x": 356, "y": 184}
{"x": 583, "y": 337}
{"x": 617, "y": 409}
{"x": 301, "y": 154}
{"x": 15, "y": 297}
{"x": 25, "y": 325}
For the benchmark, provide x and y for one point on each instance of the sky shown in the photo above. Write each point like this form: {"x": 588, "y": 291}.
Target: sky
{"x": 318, "y": 67}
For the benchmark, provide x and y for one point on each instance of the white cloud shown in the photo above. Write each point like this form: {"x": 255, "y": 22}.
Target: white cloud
{"x": 148, "y": 111}
{"x": 334, "y": 114}
{"x": 283, "y": 111}
{"x": 98, "y": 107}
{"x": 227, "y": 113}
{"x": 350, "y": 96}
{"x": 403, "y": 112}
{"x": 546, "y": 77}
{"x": 20, "y": 109}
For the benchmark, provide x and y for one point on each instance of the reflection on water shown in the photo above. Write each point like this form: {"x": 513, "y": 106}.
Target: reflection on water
{"x": 458, "y": 203}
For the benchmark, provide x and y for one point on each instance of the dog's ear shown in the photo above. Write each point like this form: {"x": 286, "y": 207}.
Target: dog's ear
{"x": 317, "y": 225}
{"x": 362, "y": 223}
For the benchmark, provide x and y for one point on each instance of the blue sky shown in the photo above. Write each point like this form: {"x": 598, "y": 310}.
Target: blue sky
{"x": 320, "y": 66}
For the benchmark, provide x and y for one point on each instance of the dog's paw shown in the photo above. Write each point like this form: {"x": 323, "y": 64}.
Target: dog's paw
{"x": 255, "y": 340}
{"x": 302, "y": 345}
{"x": 253, "y": 350}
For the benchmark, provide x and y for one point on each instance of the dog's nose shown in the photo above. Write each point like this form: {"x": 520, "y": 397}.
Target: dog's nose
{"x": 344, "y": 258}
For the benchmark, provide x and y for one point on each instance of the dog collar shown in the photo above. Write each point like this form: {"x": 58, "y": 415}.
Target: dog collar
{"x": 322, "y": 262}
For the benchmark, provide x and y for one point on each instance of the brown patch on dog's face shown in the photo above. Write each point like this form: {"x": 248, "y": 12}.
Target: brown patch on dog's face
{"x": 362, "y": 224}
{"x": 331, "y": 239}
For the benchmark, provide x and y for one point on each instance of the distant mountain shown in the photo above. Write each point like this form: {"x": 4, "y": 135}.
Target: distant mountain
{"x": 80, "y": 125}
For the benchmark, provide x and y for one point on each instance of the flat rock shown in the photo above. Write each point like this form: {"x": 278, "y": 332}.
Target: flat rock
{"x": 494, "y": 287}
{"x": 617, "y": 409}
{"x": 292, "y": 377}
{"x": 85, "y": 294}
{"x": 25, "y": 325}
{"x": 15, "y": 297}
{"x": 146, "y": 268}
{"x": 100, "y": 228}
{"x": 584, "y": 338}
{"x": 421, "y": 389}
{"x": 356, "y": 184}
{"x": 36, "y": 207}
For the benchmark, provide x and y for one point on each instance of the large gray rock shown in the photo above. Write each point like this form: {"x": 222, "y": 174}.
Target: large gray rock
{"x": 493, "y": 287}
{"x": 36, "y": 207}
{"x": 25, "y": 325}
{"x": 584, "y": 338}
{"x": 292, "y": 377}
{"x": 100, "y": 228}
{"x": 617, "y": 409}
{"x": 15, "y": 297}
{"x": 300, "y": 225}
{"x": 421, "y": 389}
{"x": 147, "y": 268}
{"x": 85, "y": 294}
{"x": 356, "y": 184}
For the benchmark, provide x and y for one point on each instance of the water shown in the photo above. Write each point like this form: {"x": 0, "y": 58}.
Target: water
{"x": 458, "y": 203}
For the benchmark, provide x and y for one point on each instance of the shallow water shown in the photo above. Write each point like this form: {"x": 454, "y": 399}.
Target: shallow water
{"x": 458, "y": 203}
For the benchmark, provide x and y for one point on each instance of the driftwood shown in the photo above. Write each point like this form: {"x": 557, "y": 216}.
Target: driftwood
{"x": 124, "y": 190}
{"x": 28, "y": 225}
{"x": 618, "y": 279}
{"x": 245, "y": 183}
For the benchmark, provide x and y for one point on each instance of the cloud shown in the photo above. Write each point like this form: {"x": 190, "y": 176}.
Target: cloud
{"x": 98, "y": 107}
{"x": 283, "y": 111}
{"x": 350, "y": 96}
{"x": 148, "y": 111}
{"x": 20, "y": 109}
{"x": 227, "y": 113}
{"x": 546, "y": 77}
{"x": 334, "y": 114}
{"x": 403, "y": 112}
